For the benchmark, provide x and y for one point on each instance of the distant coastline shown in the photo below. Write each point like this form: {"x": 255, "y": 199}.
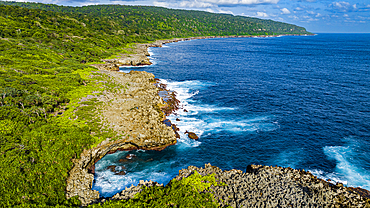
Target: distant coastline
{"x": 140, "y": 56}
{"x": 310, "y": 182}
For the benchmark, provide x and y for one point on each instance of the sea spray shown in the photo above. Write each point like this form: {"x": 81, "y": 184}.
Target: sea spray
{"x": 202, "y": 119}
{"x": 284, "y": 103}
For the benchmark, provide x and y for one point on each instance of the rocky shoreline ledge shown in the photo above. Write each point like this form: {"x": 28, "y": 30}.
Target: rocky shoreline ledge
{"x": 266, "y": 186}
{"x": 138, "y": 112}
{"x": 135, "y": 112}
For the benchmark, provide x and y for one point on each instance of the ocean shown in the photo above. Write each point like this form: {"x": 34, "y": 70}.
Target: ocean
{"x": 291, "y": 101}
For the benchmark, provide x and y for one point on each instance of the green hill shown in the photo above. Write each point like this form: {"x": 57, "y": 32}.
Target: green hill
{"x": 142, "y": 23}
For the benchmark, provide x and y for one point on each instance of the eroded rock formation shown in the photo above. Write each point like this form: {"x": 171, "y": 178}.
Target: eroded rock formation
{"x": 129, "y": 193}
{"x": 134, "y": 112}
{"x": 266, "y": 186}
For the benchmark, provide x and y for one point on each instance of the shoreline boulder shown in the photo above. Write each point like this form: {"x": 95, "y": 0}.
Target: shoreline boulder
{"x": 192, "y": 135}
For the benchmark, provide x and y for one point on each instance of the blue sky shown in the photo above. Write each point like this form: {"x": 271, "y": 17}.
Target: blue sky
{"x": 320, "y": 16}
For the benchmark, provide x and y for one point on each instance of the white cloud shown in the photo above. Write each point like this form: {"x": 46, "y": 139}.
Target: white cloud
{"x": 41, "y": 1}
{"x": 210, "y": 10}
{"x": 285, "y": 11}
{"x": 225, "y": 11}
{"x": 309, "y": 19}
{"x": 363, "y": 18}
{"x": 161, "y": 4}
{"x": 241, "y": 2}
{"x": 298, "y": 9}
{"x": 343, "y": 6}
{"x": 262, "y": 14}
{"x": 345, "y": 15}
{"x": 219, "y": 11}
{"x": 194, "y": 4}
{"x": 210, "y": 3}
{"x": 294, "y": 17}
{"x": 318, "y": 15}
{"x": 311, "y": 12}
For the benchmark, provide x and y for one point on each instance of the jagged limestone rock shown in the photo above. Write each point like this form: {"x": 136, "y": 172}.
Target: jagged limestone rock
{"x": 134, "y": 111}
{"x": 266, "y": 186}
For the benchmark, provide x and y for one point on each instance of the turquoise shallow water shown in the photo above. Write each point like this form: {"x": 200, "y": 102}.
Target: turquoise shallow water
{"x": 301, "y": 102}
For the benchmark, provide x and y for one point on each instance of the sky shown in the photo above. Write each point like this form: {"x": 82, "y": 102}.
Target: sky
{"x": 317, "y": 16}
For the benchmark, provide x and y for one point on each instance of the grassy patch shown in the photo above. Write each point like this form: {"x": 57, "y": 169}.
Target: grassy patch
{"x": 188, "y": 192}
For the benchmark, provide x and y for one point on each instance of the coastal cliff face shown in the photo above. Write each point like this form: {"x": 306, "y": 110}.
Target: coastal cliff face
{"x": 136, "y": 114}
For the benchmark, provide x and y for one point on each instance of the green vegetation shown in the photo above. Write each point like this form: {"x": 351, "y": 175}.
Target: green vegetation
{"x": 144, "y": 23}
{"x": 188, "y": 192}
{"x": 45, "y": 53}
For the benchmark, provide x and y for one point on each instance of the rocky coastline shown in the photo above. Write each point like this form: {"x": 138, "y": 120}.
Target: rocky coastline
{"x": 266, "y": 186}
{"x": 140, "y": 113}
{"x": 136, "y": 114}
{"x": 139, "y": 56}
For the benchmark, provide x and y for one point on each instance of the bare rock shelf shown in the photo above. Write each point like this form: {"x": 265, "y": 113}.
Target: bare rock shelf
{"x": 138, "y": 112}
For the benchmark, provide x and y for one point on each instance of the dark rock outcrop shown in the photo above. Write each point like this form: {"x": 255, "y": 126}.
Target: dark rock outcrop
{"x": 191, "y": 135}
{"x": 112, "y": 168}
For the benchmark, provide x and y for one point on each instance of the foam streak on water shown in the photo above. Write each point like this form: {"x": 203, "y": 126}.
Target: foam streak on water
{"x": 291, "y": 101}
{"x": 350, "y": 160}
{"x": 204, "y": 118}
{"x": 164, "y": 165}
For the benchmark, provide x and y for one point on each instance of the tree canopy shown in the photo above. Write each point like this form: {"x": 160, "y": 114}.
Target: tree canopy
{"x": 45, "y": 52}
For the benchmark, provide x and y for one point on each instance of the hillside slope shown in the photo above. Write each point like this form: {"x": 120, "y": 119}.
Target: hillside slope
{"x": 45, "y": 53}
{"x": 149, "y": 23}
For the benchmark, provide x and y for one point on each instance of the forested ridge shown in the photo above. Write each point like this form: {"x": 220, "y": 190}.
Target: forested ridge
{"x": 45, "y": 53}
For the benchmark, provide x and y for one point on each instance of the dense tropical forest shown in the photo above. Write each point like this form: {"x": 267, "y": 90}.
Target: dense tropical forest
{"x": 45, "y": 53}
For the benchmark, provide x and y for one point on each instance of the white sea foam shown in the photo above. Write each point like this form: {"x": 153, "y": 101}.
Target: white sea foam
{"x": 152, "y": 58}
{"x": 150, "y": 51}
{"x": 334, "y": 177}
{"x": 140, "y": 66}
{"x": 124, "y": 70}
{"x": 127, "y": 69}
{"x": 108, "y": 184}
{"x": 349, "y": 159}
{"x": 200, "y": 118}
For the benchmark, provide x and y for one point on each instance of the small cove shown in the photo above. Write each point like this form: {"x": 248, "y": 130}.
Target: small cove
{"x": 298, "y": 102}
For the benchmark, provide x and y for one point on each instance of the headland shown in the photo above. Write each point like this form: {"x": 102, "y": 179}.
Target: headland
{"x": 138, "y": 111}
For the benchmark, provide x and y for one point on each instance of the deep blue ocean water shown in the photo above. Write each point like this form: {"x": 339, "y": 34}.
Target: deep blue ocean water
{"x": 300, "y": 102}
